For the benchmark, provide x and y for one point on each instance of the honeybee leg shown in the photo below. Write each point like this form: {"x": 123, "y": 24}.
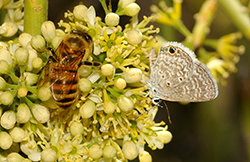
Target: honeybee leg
{"x": 88, "y": 63}
{"x": 51, "y": 57}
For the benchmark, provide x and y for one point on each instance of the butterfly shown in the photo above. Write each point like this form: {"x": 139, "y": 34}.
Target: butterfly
{"x": 177, "y": 75}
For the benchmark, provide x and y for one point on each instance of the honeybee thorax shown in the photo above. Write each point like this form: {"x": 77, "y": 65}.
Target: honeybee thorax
{"x": 74, "y": 48}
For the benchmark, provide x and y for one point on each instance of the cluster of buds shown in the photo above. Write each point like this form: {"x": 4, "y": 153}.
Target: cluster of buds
{"x": 113, "y": 118}
{"x": 13, "y": 19}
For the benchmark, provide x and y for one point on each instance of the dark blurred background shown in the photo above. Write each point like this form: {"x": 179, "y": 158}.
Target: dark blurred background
{"x": 218, "y": 130}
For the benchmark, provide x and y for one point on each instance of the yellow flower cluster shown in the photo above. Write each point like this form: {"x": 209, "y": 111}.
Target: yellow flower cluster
{"x": 113, "y": 118}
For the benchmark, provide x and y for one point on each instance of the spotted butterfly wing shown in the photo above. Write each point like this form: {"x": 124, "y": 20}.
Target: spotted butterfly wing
{"x": 176, "y": 75}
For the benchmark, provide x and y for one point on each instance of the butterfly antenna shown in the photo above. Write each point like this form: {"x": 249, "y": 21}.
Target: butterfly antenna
{"x": 169, "y": 119}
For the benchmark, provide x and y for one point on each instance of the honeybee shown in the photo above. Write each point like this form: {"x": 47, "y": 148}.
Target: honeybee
{"x": 61, "y": 69}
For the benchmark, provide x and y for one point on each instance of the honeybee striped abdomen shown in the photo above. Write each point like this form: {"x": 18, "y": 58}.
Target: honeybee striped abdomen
{"x": 64, "y": 84}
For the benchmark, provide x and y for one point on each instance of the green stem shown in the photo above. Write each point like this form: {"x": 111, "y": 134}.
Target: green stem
{"x": 235, "y": 11}
{"x": 182, "y": 28}
{"x": 113, "y": 92}
{"x": 12, "y": 75}
{"x": 35, "y": 13}
{"x": 104, "y": 5}
{"x": 32, "y": 89}
{"x": 27, "y": 101}
{"x": 211, "y": 43}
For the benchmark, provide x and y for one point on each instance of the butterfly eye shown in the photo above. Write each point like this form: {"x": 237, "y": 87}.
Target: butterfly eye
{"x": 172, "y": 50}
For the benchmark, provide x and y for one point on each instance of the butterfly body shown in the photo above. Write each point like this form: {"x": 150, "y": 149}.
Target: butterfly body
{"x": 176, "y": 75}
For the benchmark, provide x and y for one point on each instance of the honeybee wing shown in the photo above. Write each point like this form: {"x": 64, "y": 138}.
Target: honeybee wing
{"x": 44, "y": 76}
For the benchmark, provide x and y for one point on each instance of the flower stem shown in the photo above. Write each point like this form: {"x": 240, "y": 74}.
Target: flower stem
{"x": 35, "y": 13}
{"x": 235, "y": 11}
{"x": 182, "y": 28}
{"x": 104, "y": 5}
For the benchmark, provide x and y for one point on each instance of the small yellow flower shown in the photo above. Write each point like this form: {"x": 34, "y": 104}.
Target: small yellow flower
{"x": 107, "y": 42}
{"x": 167, "y": 15}
{"x": 227, "y": 50}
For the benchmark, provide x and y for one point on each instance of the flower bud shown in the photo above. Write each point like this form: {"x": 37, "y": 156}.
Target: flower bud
{"x": 134, "y": 36}
{"x": 120, "y": 83}
{"x": 4, "y": 67}
{"x": 124, "y": 3}
{"x": 37, "y": 42}
{"x": 84, "y": 71}
{"x": 30, "y": 78}
{"x": 22, "y": 91}
{"x": 44, "y": 93}
{"x": 109, "y": 151}
{"x": 8, "y": 119}
{"x": 5, "y": 140}
{"x": 112, "y": 19}
{"x": 132, "y": 9}
{"x": 40, "y": 113}
{"x": 130, "y": 150}
{"x": 107, "y": 69}
{"x": 15, "y": 157}
{"x": 48, "y": 155}
{"x": 132, "y": 75}
{"x": 145, "y": 157}
{"x": 95, "y": 151}
{"x": 5, "y": 55}
{"x": 80, "y": 12}
{"x": 37, "y": 63}
{"x": 109, "y": 107}
{"x": 17, "y": 134}
{"x": 21, "y": 55}
{"x": 85, "y": 85}
{"x": 32, "y": 55}
{"x": 76, "y": 128}
{"x": 87, "y": 109}
{"x": 18, "y": 15}
{"x": 24, "y": 39}
{"x": 23, "y": 113}
{"x": 11, "y": 29}
{"x": 60, "y": 32}
{"x": 6, "y": 98}
{"x": 124, "y": 103}
{"x": 48, "y": 30}
{"x": 2, "y": 83}
{"x": 56, "y": 41}
{"x": 165, "y": 136}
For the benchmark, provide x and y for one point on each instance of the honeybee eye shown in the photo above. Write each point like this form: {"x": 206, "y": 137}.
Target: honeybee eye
{"x": 87, "y": 37}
